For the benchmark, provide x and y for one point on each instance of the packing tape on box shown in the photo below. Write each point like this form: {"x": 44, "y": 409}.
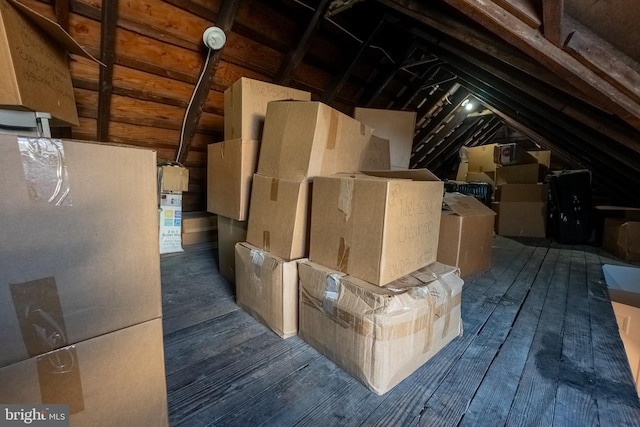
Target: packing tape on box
{"x": 266, "y": 240}
{"x": 345, "y": 197}
{"x": 343, "y": 256}
{"x": 39, "y": 312}
{"x": 334, "y": 121}
{"x": 273, "y": 195}
{"x": 331, "y": 294}
{"x": 257, "y": 260}
{"x": 45, "y": 170}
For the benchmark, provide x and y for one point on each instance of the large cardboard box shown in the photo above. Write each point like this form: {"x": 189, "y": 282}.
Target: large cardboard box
{"x": 376, "y": 227}
{"x": 303, "y": 140}
{"x": 517, "y": 174}
{"x": 621, "y": 237}
{"x": 623, "y": 284}
{"x": 279, "y": 216}
{"x": 229, "y": 173}
{"x": 396, "y": 126}
{"x": 376, "y": 155}
{"x": 34, "y": 72}
{"x": 522, "y": 210}
{"x": 230, "y": 232}
{"x": 466, "y": 234}
{"x": 79, "y": 253}
{"x": 379, "y": 335}
{"x": 245, "y": 106}
{"x": 116, "y": 379}
{"x": 480, "y": 158}
{"x": 267, "y": 288}
{"x": 174, "y": 179}
{"x": 543, "y": 157}
{"x": 198, "y": 227}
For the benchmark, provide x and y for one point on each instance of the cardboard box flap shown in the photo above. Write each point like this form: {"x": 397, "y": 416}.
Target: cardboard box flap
{"x": 522, "y": 193}
{"x": 55, "y": 31}
{"x": 412, "y": 174}
{"x": 463, "y": 205}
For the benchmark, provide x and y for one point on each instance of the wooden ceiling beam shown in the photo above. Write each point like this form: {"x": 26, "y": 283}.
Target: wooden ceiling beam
{"x": 62, "y": 8}
{"x": 524, "y": 10}
{"x": 553, "y": 21}
{"x": 528, "y": 40}
{"x": 109, "y": 21}
{"x": 380, "y": 87}
{"x": 226, "y": 17}
{"x": 294, "y": 57}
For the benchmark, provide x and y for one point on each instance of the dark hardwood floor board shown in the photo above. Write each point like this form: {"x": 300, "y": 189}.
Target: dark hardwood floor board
{"x": 491, "y": 403}
{"x": 406, "y": 401}
{"x": 616, "y": 396}
{"x": 575, "y": 398}
{"x": 297, "y": 391}
{"x": 450, "y": 400}
{"x": 230, "y": 382}
{"x": 198, "y": 310}
{"x": 534, "y": 400}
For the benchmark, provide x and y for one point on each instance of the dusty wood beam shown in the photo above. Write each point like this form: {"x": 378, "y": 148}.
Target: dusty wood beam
{"x": 109, "y": 20}
{"x": 454, "y": 102}
{"x": 524, "y": 10}
{"x": 389, "y": 76}
{"x": 604, "y": 59}
{"x": 226, "y": 16}
{"x": 335, "y": 85}
{"x": 62, "y": 8}
{"x": 294, "y": 57}
{"x": 553, "y": 25}
{"x": 527, "y": 39}
{"x": 195, "y": 7}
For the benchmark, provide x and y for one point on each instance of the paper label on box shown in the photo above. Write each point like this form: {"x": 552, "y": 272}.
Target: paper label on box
{"x": 170, "y": 223}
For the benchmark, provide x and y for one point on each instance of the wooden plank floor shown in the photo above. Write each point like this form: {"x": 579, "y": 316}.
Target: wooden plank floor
{"x": 540, "y": 348}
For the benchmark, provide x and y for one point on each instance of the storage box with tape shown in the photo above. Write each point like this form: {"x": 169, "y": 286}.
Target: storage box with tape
{"x": 279, "y": 216}
{"x": 230, "y": 232}
{"x": 267, "y": 288}
{"x": 379, "y": 335}
{"x": 79, "y": 254}
{"x": 303, "y": 140}
{"x": 376, "y": 227}
{"x": 34, "y": 73}
{"x": 522, "y": 210}
{"x": 245, "y": 106}
{"x": 230, "y": 170}
{"x": 174, "y": 179}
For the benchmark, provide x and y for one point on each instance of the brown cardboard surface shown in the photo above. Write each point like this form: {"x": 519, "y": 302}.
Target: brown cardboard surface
{"x": 245, "y": 106}
{"x": 174, "y": 179}
{"x": 378, "y": 335}
{"x": 461, "y": 174}
{"x": 542, "y": 156}
{"x": 376, "y": 228}
{"x": 517, "y": 174}
{"x": 622, "y": 238}
{"x": 521, "y": 219}
{"x": 466, "y": 234}
{"x": 99, "y": 245}
{"x": 35, "y": 73}
{"x": 303, "y": 140}
{"x": 628, "y": 319}
{"x": 396, "y": 126}
{"x": 267, "y": 288}
{"x": 480, "y": 158}
{"x": 376, "y": 155}
{"x": 279, "y": 216}
{"x": 230, "y": 232}
{"x": 229, "y": 174}
{"x": 511, "y": 154}
{"x": 193, "y": 222}
{"x": 117, "y": 379}
{"x": 488, "y": 177}
{"x": 522, "y": 193}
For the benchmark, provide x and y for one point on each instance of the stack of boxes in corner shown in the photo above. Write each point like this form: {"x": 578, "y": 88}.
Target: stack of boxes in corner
{"x": 520, "y": 199}
{"x": 172, "y": 181}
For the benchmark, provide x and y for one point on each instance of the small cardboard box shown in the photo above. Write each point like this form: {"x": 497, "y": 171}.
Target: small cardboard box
{"x": 376, "y": 155}
{"x": 396, "y": 126}
{"x": 267, "y": 288}
{"x": 621, "y": 237}
{"x": 511, "y": 154}
{"x": 522, "y": 210}
{"x": 174, "y": 179}
{"x": 79, "y": 253}
{"x": 377, "y": 227}
{"x": 542, "y": 156}
{"x": 34, "y": 72}
{"x": 245, "y": 106}
{"x": 116, "y": 379}
{"x": 198, "y": 227}
{"x": 379, "y": 335}
{"x": 303, "y": 140}
{"x": 466, "y": 234}
{"x": 279, "y": 216}
{"x": 230, "y": 232}
{"x": 480, "y": 158}
{"x": 229, "y": 173}
{"x": 517, "y": 174}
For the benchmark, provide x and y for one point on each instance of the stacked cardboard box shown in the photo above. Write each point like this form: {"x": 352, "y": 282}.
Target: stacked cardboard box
{"x": 522, "y": 210}
{"x": 173, "y": 180}
{"x": 80, "y": 285}
{"x": 198, "y": 227}
{"x": 232, "y": 163}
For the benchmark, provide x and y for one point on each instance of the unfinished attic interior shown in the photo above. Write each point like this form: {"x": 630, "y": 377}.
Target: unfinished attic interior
{"x": 315, "y": 212}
